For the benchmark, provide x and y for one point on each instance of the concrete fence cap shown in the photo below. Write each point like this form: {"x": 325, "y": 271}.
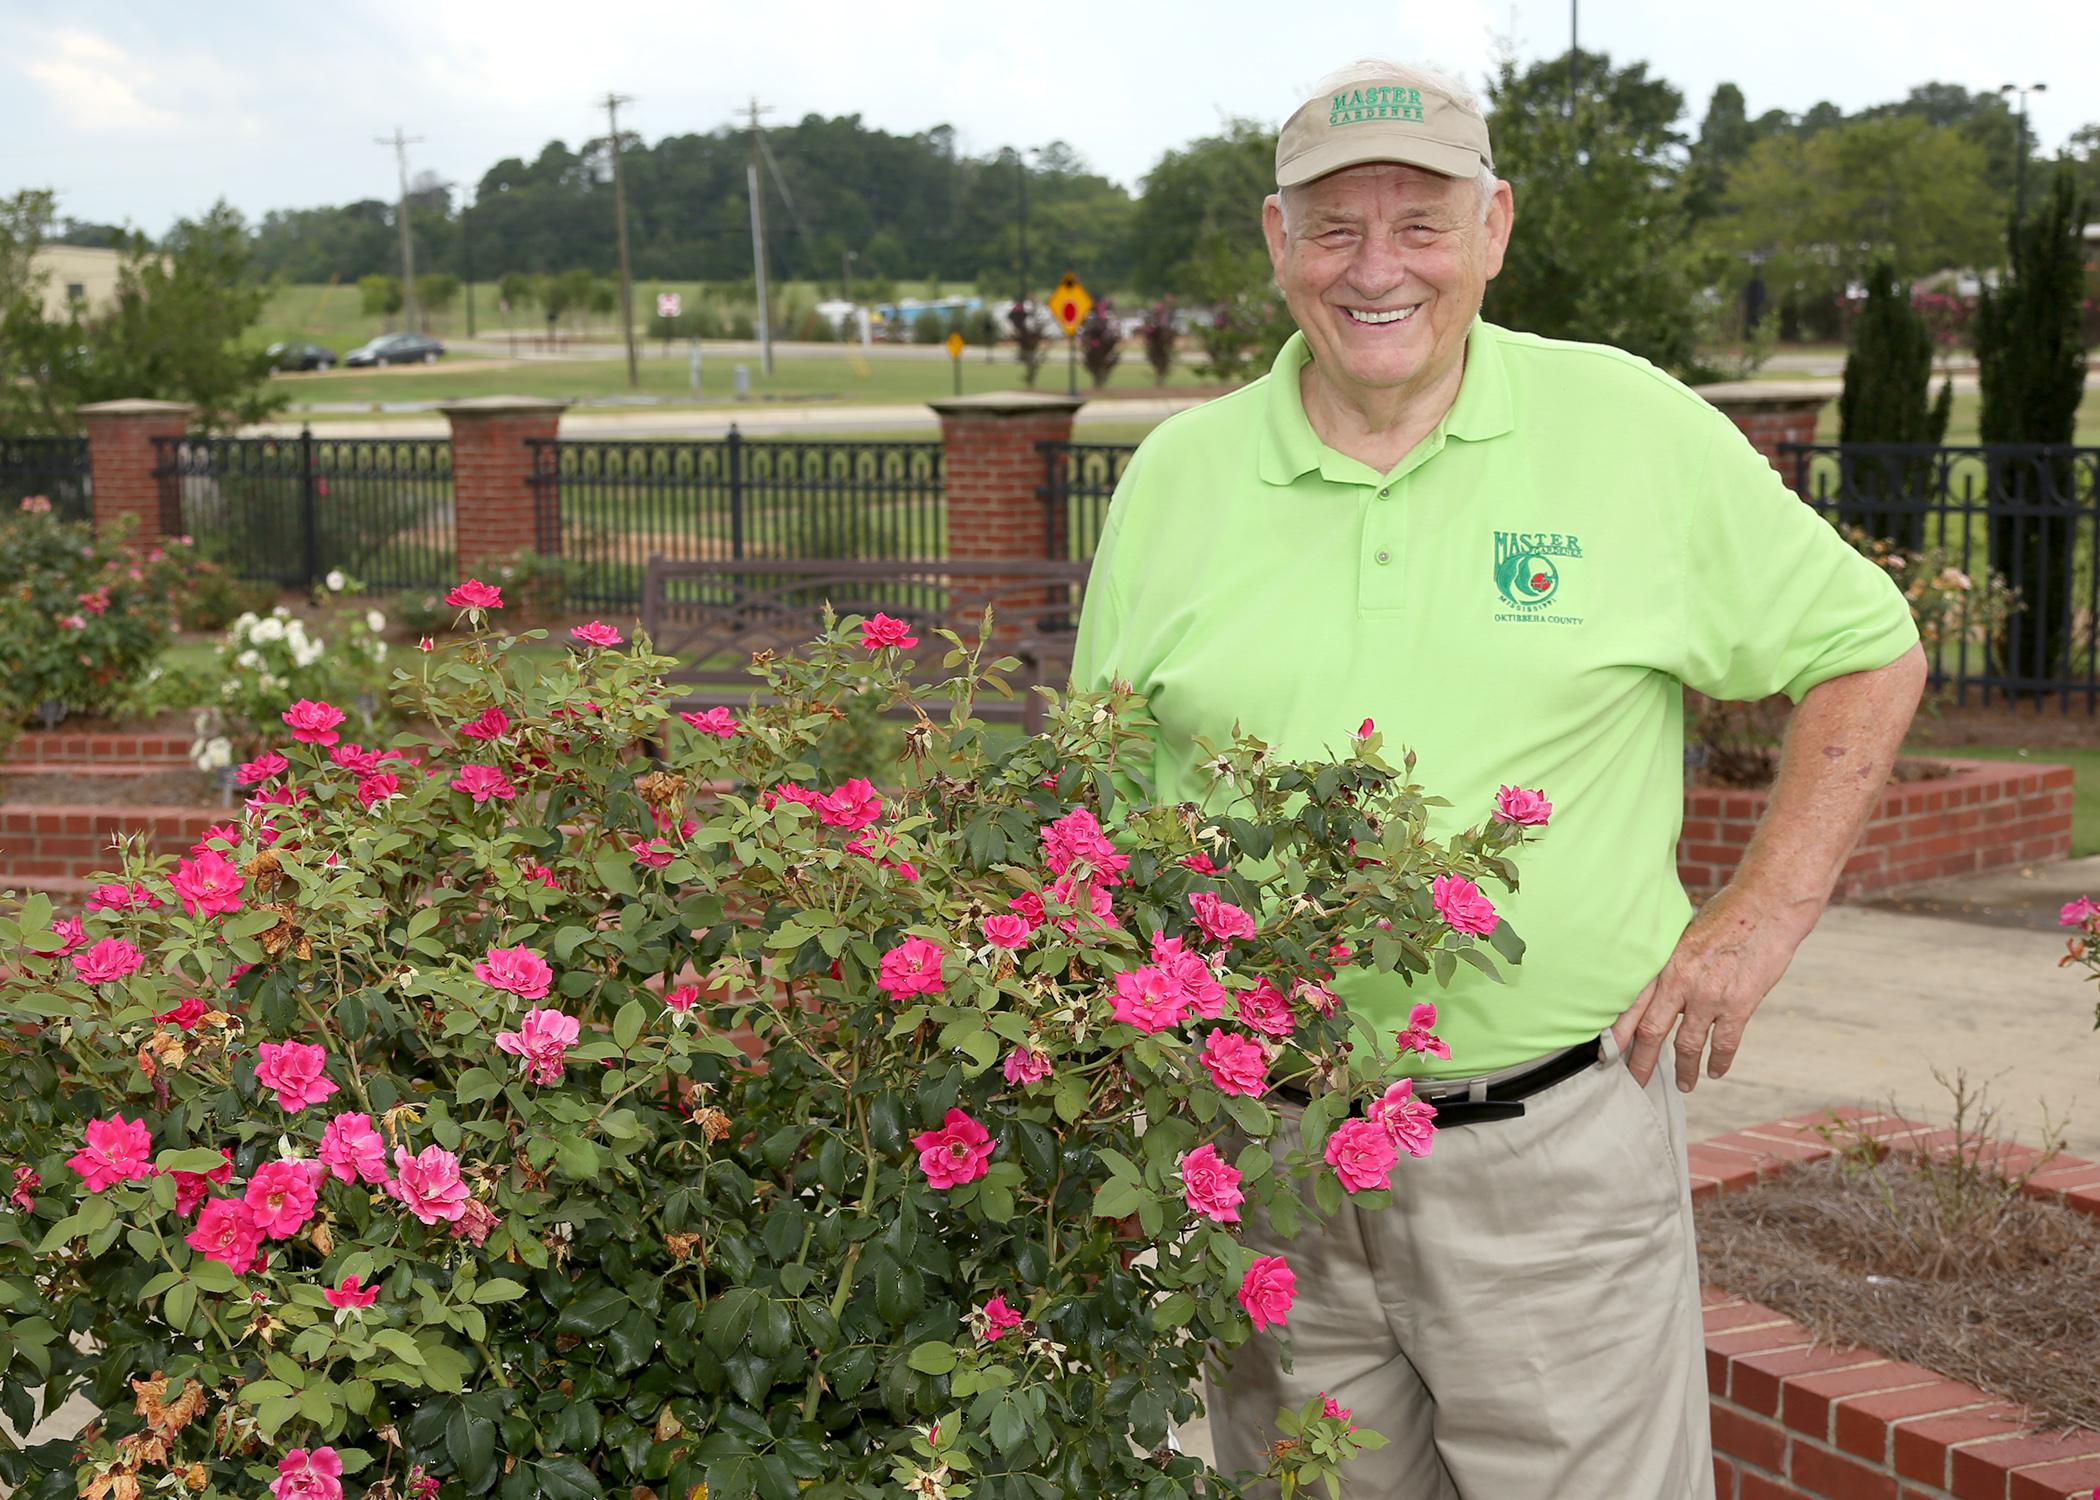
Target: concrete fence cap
{"x": 1008, "y": 404}
{"x": 483, "y": 406}
{"x": 136, "y": 406}
{"x": 1741, "y": 393}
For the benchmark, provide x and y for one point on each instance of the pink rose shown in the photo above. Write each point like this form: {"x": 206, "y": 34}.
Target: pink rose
{"x": 1362, "y": 1154}
{"x": 1025, "y": 1066}
{"x": 27, "y": 1181}
{"x": 959, "y": 1151}
{"x": 913, "y": 967}
{"x": 381, "y": 786}
{"x": 71, "y": 933}
{"x": 296, "y": 1071}
{"x": 1076, "y": 838}
{"x": 597, "y": 633}
{"x": 882, "y": 631}
{"x": 1315, "y": 996}
{"x": 262, "y": 768}
{"x": 489, "y": 724}
{"x": 308, "y": 1476}
{"x": 1329, "y": 1407}
{"x": 787, "y": 791}
{"x": 482, "y": 783}
{"x": 428, "y": 1184}
{"x": 1220, "y": 920}
{"x": 225, "y": 1232}
{"x": 544, "y": 876}
{"x": 2078, "y": 913}
{"x": 1150, "y": 999}
{"x": 184, "y": 1016}
{"x": 1411, "y": 1122}
{"x": 680, "y": 1000}
{"x": 107, "y": 962}
{"x": 356, "y": 759}
{"x": 1264, "y": 1009}
{"x": 543, "y": 1039}
{"x": 350, "y": 1292}
{"x": 116, "y": 896}
{"x": 1006, "y": 931}
{"x": 1459, "y": 902}
{"x": 352, "y": 1149}
{"x": 719, "y": 722}
{"x": 1093, "y": 896}
{"x": 1200, "y": 863}
{"x": 475, "y": 1225}
{"x": 655, "y": 854}
{"x": 1527, "y": 809}
{"x": 1417, "y": 1036}
{"x": 191, "y": 1188}
{"x": 117, "y": 1150}
{"x": 1366, "y": 729}
{"x": 474, "y": 594}
{"x": 281, "y": 1194}
{"x": 216, "y": 835}
{"x": 1237, "y": 1064}
{"x": 1211, "y": 1186}
{"x": 519, "y": 970}
{"x": 208, "y": 885}
{"x": 1029, "y": 907}
{"x": 1268, "y": 1290}
{"x": 999, "y": 1319}
{"x": 853, "y": 806}
{"x": 313, "y": 723}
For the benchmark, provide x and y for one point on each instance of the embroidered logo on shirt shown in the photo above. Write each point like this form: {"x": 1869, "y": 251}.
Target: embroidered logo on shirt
{"x": 1528, "y": 577}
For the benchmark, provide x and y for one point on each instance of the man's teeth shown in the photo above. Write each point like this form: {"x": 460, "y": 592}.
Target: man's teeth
{"x": 1396, "y": 316}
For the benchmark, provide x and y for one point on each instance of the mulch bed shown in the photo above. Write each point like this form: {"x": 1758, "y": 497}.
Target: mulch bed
{"x": 2005, "y": 1297}
{"x": 173, "y": 788}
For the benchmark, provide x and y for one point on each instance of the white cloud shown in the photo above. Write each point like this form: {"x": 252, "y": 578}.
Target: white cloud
{"x": 90, "y": 82}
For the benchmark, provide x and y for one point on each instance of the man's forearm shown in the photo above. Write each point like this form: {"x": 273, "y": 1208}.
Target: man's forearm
{"x": 1840, "y": 744}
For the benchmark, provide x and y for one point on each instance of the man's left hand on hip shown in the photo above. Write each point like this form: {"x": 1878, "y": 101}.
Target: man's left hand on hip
{"x": 1726, "y": 962}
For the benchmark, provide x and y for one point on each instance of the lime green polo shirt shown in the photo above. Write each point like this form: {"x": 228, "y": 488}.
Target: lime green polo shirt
{"x": 1518, "y": 601}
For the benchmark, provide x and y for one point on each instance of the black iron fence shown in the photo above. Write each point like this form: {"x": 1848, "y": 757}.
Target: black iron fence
{"x": 54, "y": 467}
{"x": 290, "y": 510}
{"x": 608, "y": 507}
{"x": 2024, "y": 512}
{"x": 1079, "y": 479}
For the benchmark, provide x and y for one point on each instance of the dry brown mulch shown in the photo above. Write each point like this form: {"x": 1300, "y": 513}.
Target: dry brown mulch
{"x": 171, "y": 788}
{"x": 2049, "y": 727}
{"x": 2004, "y": 1295}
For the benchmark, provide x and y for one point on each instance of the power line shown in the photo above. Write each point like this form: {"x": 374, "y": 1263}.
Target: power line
{"x": 401, "y": 143}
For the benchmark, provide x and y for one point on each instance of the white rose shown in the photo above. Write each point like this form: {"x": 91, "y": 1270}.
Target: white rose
{"x": 280, "y": 613}
{"x": 374, "y": 621}
{"x": 335, "y": 580}
{"x": 379, "y": 650}
{"x": 218, "y": 751}
{"x": 265, "y": 631}
{"x": 251, "y": 660}
{"x": 305, "y": 654}
{"x": 244, "y": 622}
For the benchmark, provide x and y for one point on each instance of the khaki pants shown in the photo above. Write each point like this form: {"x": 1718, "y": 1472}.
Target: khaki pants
{"x": 1522, "y": 1323}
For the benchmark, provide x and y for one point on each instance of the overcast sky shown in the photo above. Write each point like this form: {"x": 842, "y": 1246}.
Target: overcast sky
{"x": 140, "y": 112}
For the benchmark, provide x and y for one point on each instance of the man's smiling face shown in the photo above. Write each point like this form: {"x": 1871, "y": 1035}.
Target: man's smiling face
{"x": 1383, "y": 267}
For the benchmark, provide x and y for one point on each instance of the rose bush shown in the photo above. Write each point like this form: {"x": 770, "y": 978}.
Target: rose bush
{"x": 82, "y": 617}
{"x": 405, "y": 1141}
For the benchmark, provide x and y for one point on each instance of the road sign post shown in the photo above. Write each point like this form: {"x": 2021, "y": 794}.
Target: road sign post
{"x": 1070, "y": 304}
{"x": 955, "y": 354}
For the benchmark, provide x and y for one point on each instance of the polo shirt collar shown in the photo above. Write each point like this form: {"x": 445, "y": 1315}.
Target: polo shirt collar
{"x": 1290, "y": 447}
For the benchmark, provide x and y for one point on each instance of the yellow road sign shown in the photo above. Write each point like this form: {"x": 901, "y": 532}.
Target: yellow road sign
{"x": 1070, "y": 304}
{"x": 955, "y": 346}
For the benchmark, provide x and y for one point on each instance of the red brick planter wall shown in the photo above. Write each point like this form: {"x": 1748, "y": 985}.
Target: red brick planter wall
{"x": 52, "y": 846}
{"x": 1987, "y": 815}
{"x": 114, "y": 754}
{"x": 1794, "y": 1420}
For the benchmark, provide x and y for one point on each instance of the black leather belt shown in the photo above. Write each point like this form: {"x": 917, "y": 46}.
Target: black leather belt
{"x": 1501, "y": 1100}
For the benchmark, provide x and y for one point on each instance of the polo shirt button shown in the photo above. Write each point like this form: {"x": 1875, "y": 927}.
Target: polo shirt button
{"x": 1385, "y": 492}
{"x": 1384, "y": 556}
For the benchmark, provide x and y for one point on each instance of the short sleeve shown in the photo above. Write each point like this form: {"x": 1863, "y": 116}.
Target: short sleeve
{"x": 1775, "y": 599}
{"x": 1096, "y": 656}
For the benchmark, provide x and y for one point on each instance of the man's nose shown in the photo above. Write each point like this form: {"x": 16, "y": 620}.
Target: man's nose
{"x": 1379, "y": 267}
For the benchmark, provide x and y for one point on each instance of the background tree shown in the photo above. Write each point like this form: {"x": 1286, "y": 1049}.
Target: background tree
{"x": 379, "y": 295}
{"x": 1159, "y": 337}
{"x": 435, "y": 294}
{"x": 1201, "y": 209}
{"x": 1603, "y": 252}
{"x": 1824, "y": 206}
{"x": 1887, "y": 398}
{"x": 2030, "y": 357}
{"x": 29, "y": 343}
{"x": 1100, "y": 343}
{"x": 1031, "y": 339}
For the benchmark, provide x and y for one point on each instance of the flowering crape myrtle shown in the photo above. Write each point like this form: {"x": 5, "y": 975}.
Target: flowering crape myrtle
{"x": 584, "y": 1097}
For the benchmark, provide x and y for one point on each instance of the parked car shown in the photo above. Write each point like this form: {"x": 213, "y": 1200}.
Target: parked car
{"x": 300, "y": 356}
{"x": 396, "y": 349}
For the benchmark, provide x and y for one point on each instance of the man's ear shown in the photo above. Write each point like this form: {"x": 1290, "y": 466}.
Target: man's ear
{"x": 1272, "y": 231}
{"x": 1501, "y": 218}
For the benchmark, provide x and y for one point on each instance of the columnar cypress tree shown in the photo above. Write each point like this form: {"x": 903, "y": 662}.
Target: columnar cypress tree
{"x": 2031, "y": 360}
{"x": 1887, "y": 398}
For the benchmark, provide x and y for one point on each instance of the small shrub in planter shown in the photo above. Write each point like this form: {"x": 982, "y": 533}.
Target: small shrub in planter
{"x": 507, "y": 1118}
{"x": 82, "y": 617}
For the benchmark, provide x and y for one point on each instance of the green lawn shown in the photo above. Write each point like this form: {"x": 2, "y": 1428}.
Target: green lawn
{"x": 1961, "y": 424}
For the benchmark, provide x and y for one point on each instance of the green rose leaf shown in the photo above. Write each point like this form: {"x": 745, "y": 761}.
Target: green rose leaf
{"x": 932, "y": 1358}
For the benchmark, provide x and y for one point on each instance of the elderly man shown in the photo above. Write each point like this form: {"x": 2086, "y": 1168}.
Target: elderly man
{"x": 1512, "y": 553}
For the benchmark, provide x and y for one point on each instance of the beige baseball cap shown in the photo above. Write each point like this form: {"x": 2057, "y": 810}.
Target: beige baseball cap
{"x": 1379, "y": 118}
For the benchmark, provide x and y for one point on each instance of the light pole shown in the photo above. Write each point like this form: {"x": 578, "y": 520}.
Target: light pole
{"x": 846, "y": 260}
{"x": 2020, "y": 170}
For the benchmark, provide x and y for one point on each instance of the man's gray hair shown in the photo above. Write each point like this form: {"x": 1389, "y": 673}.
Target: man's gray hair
{"x": 1384, "y": 70}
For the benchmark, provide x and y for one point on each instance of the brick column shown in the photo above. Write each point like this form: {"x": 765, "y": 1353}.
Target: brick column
{"x": 121, "y": 461}
{"x": 1771, "y": 412}
{"x": 992, "y": 470}
{"x": 495, "y": 511}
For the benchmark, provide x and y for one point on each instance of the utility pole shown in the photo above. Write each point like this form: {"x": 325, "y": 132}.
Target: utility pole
{"x": 466, "y": 250}
{"x": 2020, "y": 169}
{"x": 1574, "y": 51}
{"x": 846, "y": 260}
{"x": 401, "y": 143}
{"x": 755, "y": 177}
{"x": 612, "y": 121}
